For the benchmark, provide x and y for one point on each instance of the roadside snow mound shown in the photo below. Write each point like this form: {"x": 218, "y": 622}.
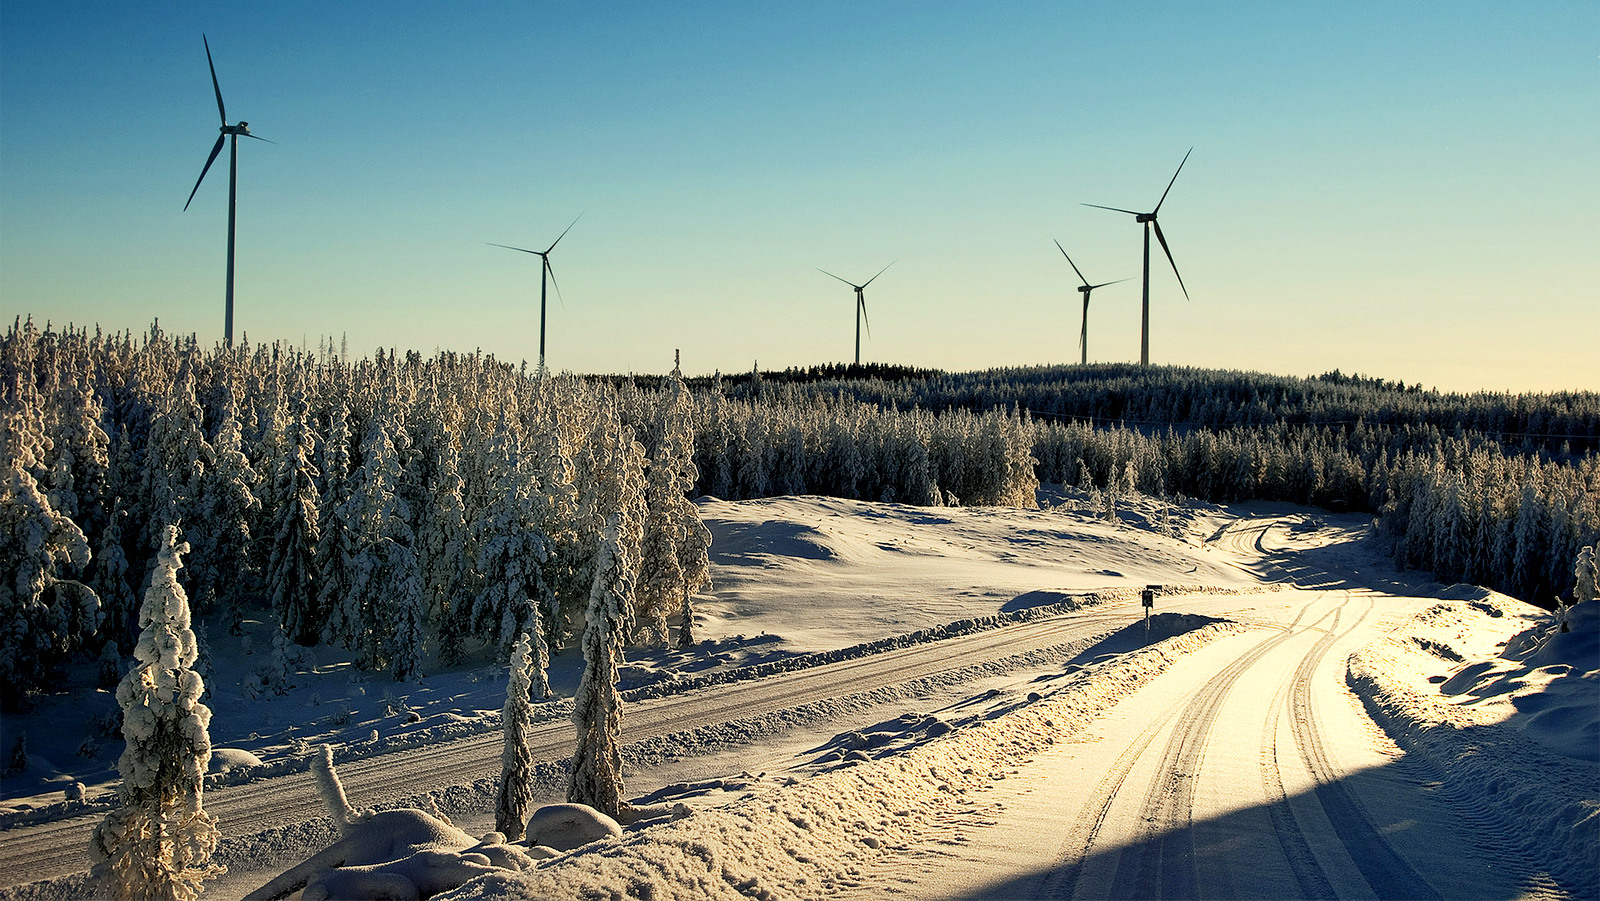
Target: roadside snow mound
{"x": 567, "y": 826}
{"x": 1506, "y": 718}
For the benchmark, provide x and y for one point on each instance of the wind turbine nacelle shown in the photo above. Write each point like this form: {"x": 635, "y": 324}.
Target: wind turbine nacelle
{"x": 1145, "y": 217}
{"x": 1084, "y": 289}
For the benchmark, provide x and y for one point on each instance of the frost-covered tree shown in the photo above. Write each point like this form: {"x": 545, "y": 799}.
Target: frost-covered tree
{"x": 661, "y": 582}
{"x": 1586, "y": 576}
{"x": 291, "y": 568}
{"x": 382, "y": 615}
{"x": 511, "y": 547}
{"x": 43, "y": 614}
{"x": 228, "y": 505}
{"x": 335, "y": 541}
{"x": 442, "y": 541}
{"x": 674, "y": 561}
{"x": 596, "y": 778}
{"x": 109, "y": 579}
{"x": 159, "y": 841}
{"x": 177, "y": 461}
{"x": 516, "y": 761}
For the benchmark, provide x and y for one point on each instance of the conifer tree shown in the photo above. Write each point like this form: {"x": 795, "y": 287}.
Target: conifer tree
{"x": 335, "y": 538}
{"x": 291, "y": 569}
{"x": 229, "y": 505}
{"x": 511, "y": 548}
{"x": 43, "y": 615}
{"x": 177, "y": 461}
{"x": 381, "y": 617}
{"x": 109, "y": 579}
{"x": 1586, "y": 576}
{"x": 596, "y": 778}
{"x": 159, "y": 841}
{"x": 516, "y": 761}
{"x": 443, "y": 543}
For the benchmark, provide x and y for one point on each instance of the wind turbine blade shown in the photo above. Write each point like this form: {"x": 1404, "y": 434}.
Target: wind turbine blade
{"x": 509, "y": 247}
{"x": 215, "y": 149}
{"x": 562, "y": 235}
{"x": 862, "y": 300}
{"x": 1163, "y": 239}
{"x": 553, "y": 283}
{"x": 260, "y": 138}
{"x": 1117, "y": 282}
{"x": 1114, "y": 209}
{"x": 880, "y": 272}
{"x": 221, "y": 110}
{"x": 1070, "y": 263}
{"x": 1169, "y": 185}
{"x": 831, "y": 275}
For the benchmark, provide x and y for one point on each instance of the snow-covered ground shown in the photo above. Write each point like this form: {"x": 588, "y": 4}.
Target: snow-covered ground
{"x": 1318, "y": 725}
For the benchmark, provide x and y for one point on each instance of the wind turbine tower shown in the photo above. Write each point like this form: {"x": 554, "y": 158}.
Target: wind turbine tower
{"x": 861, "y": 304}
{"x": 1085, "y": 289}
{"x": 547, "y": 276}
{"x": 1148, "y": 220}
{"x": 242, "y": 129}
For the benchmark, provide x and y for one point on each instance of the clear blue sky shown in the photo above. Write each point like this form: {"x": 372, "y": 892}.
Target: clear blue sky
{"x": 1406, "y": 190}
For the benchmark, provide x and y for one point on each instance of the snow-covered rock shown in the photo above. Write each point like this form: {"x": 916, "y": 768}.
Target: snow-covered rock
{"x": 567, "y": 826}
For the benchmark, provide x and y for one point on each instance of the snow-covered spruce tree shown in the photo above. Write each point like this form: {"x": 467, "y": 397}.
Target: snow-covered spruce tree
{"x": 159, "y": 841}
{"x": 335, "y": 539}
{"x": 1586, "y": 576}
{"x": 291, "y": 568}
{"x": 661, "y": 583}
{"x": 596, "y": 778}
{"x": 177, "y": 461}
{"x": 694, "y": 562}
{"x": 510, "y": 547}
{"x": 442, "y": 540}
{"x": 43, "y": 615}
{"x": 82, "y": 449}
{"x": 229, "y": 504}
{"x": 674, "y": 556}
{"x": 516, "y": 761}
{"x": 381, "y": 618}
{"x": 109, "y": 579}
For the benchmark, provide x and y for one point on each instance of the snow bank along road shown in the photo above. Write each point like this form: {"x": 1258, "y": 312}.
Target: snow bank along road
{"x": 49, "y": 850}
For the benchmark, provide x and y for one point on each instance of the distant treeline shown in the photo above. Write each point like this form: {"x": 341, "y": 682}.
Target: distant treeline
{"x": 1157, "y": 397}
{"x": 1496, "y": 489}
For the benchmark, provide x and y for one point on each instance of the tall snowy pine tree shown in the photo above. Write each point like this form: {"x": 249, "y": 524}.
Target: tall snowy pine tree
{"x": 596, "y": 778}
{"x": 159, "y": 841}
{"x": 516, "y": 761}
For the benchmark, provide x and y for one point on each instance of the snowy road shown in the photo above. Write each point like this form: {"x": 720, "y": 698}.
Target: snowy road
{"x": 1248, "y": 770}
{"x": 56, "y": 849}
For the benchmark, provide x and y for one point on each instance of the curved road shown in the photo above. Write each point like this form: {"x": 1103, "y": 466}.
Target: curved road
{"x": 1247, "y": 770}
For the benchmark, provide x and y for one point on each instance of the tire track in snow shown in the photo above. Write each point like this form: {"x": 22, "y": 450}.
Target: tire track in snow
{"x": 1205, "y": 700}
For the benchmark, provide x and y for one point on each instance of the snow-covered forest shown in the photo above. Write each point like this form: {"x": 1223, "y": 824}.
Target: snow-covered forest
{"x": 1494, "y": 489}
{"x": 397, "y": 504}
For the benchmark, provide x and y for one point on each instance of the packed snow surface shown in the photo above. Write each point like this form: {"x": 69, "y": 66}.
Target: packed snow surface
{"x": 1321, "y": 726}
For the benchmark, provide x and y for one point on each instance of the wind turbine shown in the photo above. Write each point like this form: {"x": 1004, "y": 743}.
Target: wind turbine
{"x": 546, "y": 274}
{"x": 233, "y": 131}
{"x": 861, "y": 303}
{"x": 1148, "y": 220}
{"x": 1085, "y": 289}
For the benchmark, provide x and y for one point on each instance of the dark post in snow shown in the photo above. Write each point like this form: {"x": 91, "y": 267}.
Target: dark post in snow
{"x": 1149, "y": 597}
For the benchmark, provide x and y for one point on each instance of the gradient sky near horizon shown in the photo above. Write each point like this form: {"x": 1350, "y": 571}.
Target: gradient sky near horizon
{"x": 1405, "y": 190}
